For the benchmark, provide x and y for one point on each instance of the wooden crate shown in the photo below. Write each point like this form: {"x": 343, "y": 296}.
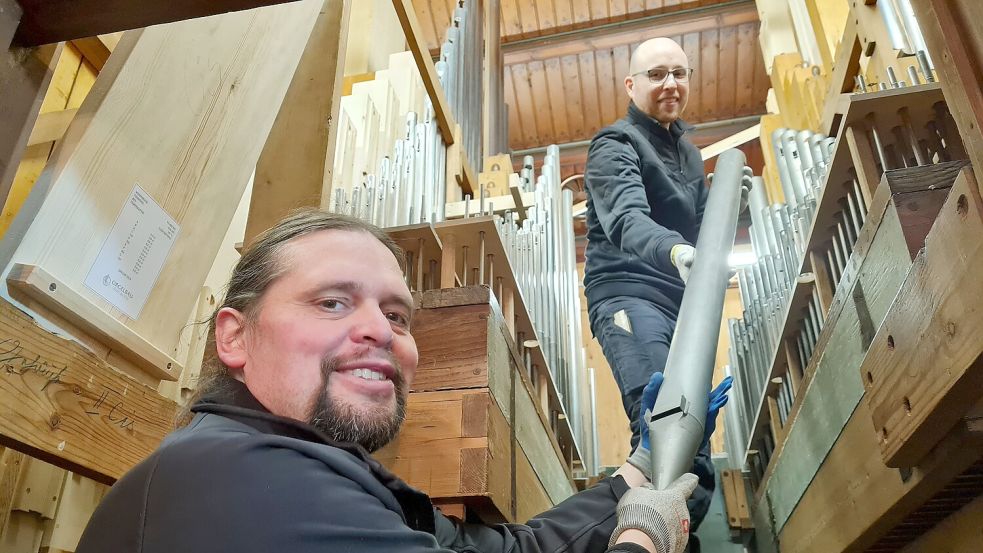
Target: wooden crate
{"x": 456, "y": 446}
{"x": 475, "y": 431}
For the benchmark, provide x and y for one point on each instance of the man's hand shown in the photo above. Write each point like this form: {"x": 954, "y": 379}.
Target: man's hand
{"x": 641, "y": 458}
{"x": 718, "y": 398}
{"x": 659, "y": 514}
{"x": 746, "y": 185}
{"x": 682, "y": 256}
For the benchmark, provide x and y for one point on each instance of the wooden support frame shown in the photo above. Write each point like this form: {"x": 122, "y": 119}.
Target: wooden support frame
{"x": 24, "y": 78}
{"x": 49, "y": 21}
{"x": 295, "y": 168}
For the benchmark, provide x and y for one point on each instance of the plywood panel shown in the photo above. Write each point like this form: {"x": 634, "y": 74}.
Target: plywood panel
{"x": 207, "y": 91}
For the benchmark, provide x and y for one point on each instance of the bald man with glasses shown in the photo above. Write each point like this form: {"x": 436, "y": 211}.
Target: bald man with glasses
{"x": 646, "y": 193}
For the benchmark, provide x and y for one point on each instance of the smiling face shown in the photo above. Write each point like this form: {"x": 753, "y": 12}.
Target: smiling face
{"x": 330, "y": 344}
{"x": 663, "y": 102}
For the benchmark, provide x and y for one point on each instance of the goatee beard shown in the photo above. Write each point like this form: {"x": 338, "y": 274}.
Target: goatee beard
{"x": 343, "y": 423}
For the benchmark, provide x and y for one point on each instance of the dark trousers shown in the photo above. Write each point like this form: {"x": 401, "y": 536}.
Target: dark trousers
{"x": 635, "y": 336}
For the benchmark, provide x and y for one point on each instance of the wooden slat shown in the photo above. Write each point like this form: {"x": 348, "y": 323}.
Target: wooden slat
{"x": 556, "y": 86}
{"x": 51, "y": 126}
{"x": 424, "y": 64}
{"x": 708, "y": 78}
{"x": 63, "y": 405}
{"x": 48, "y": 21}
{"x": 959, "y": 533}
{"x": 609, "y": 86}
{"x": 294, "y": 169}
{"x": 727, "y": 71}
{"x": 572, "y": 94}
{"x": 747, "y": 53}
{"x": 97, "y": 49}
{"x": 206, "y": 141}
{"x": 924, "y": 369}
{"x": 35, "y": 283}
{"x": 590, "y": 101}
{"x": 543, "y": 120}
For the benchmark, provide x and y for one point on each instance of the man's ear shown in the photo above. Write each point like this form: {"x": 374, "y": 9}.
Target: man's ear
{"x": 230, "y": 338}
{"x": 630, "y": 87}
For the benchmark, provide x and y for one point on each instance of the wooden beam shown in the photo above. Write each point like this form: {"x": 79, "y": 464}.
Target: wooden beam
{"x": 294, "y": 169}
{"x": 48, "y": 21}
{"x": 603, "y": 37}
{"x": 24, "y": 78}
{"x": 96, "y": 49}
{"x": 62, "y": 404}
{"x": 924, "y": 369}
{"x": 424, "y": 63}
{"x": 732, "y": 141}
{"x": 35, "y": 283}
{"x": 51, "y": 126}
{"x": 951, "y": 31}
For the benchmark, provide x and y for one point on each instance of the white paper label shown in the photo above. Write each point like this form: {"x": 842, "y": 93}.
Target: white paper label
{"x": 130, "y": 260}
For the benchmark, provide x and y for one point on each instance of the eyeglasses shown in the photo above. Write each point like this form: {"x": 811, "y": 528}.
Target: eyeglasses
{"x": 659, "y": 75}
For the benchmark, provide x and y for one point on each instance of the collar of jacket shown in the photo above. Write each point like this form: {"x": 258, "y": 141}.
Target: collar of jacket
{"x": 638, "y": 117}
{"x": 234, "y": 401}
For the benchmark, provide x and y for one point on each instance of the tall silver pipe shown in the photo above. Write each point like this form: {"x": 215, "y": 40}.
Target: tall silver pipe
{"x": 679, "y": 415}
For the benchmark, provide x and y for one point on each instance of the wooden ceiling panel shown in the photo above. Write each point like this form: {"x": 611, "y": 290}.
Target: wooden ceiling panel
{"x": 585, "y": 91}
{"x": 565, "y": 60}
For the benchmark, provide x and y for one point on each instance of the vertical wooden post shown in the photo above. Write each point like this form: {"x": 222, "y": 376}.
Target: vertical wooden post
{"x": 863, "y": 159}
{"x": 491, "y": 76}
{"x": 294, "y": 169}
{"x": 448, "y": 261}
{"x": 950, "y": 29}
{"x": 24, "y": 77}
{"x": 823, "y": 283}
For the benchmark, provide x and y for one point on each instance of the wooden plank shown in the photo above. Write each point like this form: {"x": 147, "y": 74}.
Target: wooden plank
{"x": 36, "y": 284}
{"x": 727, "y": 71}
{"x": 846, "y": 66}
{"x": 824, "y": 283}
{"x": 294, "y": 169}
{"x": 732, "y": 141}
{"x": 64, "y": 405}
{"x": 573, "y": 94}
{"x": 534, "y": 439}
{"x": 12, "y": 463}
{"x": 48, "y": 21}
{"x": 854, "y": 498}
{"x": 950, "y": 30}
{"x": 708, "y": 78}
{"x": 96, "y": 49}
{"x": 232, "y": 73}
{"x": 531, "y": 498}
{"x": 959, "y": 533}
{"x": 924, "y": 369}
{"x": 424, "y": 63}
{"x": 51, "y": 126}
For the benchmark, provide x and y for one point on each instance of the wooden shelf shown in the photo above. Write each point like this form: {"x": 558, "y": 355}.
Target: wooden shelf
{"x": 800, "y": 296}
{"x": 467, "y": 233}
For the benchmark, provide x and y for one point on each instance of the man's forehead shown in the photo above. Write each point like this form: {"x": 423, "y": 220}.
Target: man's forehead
{"x": 657, "y": 51}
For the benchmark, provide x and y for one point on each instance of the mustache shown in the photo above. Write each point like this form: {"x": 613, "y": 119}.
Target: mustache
{"x": 331, "y": 364}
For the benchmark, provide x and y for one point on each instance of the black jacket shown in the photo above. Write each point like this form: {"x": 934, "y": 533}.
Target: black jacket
{"x": 645, "y": 193}
{"x": 238, "y": 479}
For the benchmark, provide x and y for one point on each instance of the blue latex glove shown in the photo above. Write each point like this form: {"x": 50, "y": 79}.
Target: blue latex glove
{"x": 649, "y": 393}
{"x": 718, "y": 398}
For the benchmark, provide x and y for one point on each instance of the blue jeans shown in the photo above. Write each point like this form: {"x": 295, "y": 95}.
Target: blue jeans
{"x": 635, "y": 336}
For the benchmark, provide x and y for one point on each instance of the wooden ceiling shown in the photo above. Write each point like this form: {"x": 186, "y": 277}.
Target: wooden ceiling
{"x": 565, "y": 60}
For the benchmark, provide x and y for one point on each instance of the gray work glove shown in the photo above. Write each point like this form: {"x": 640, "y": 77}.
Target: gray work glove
{"x": 660, "y": 514}
{"x": 682, "y": 256}
{"x": 746, "y": 185}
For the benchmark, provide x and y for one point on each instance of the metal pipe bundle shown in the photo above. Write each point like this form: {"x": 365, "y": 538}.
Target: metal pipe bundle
{"x": 459, "y": 71}
{"x": 679, "y": 415}
{"x": 409, "y": 186}
{"x": 542, "y": 254}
